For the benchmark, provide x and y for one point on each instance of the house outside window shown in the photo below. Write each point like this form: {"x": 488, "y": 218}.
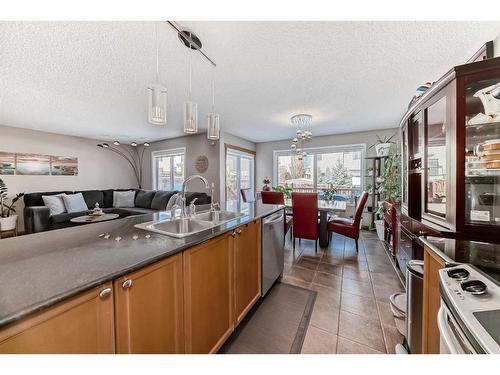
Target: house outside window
{"x": 168, "y": 169}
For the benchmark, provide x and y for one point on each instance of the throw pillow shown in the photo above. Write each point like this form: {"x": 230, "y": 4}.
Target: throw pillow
{"x": 123, "y": 199}
{"x": 55, "y": 204}
{"x": 74, "y": 202}
{"x": 161, "y": 199}
{"x": 144, "y": 198}
{"x": 173, "y": 200}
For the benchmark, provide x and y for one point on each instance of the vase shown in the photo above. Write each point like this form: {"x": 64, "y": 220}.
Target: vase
{"x": 383, "y": 149}
{"x": 266, "y": 188}
{"x": 8, "y": 223}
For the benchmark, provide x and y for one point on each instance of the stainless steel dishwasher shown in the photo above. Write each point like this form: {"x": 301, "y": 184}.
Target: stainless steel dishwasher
{"x": 273, "y": 247}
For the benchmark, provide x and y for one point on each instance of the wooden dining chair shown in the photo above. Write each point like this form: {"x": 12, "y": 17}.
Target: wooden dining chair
{"x": 247, "y": 195}
{"x": 276, "y": 197}
{"x": 349, "y": 227}
{"x": 305, "y": 217}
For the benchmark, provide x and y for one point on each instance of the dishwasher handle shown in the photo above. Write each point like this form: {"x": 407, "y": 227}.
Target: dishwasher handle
{"x": 274, "y": 219}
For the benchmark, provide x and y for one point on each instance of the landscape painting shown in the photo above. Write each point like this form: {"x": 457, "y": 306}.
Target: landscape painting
{"x": 7, "y": 163}
{"x": 63, "y": 166}
{"x": 32, "y": 164}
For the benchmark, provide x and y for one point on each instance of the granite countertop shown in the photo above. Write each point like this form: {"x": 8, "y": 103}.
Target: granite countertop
{"x": 483, "y": 255}
{"x": 39, "y": 270}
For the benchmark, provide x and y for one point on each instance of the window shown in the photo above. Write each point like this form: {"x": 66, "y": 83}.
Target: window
{"x": 239, "y": 175}
{"x": 168, "y": 169}
{"x": 338, "y": 167}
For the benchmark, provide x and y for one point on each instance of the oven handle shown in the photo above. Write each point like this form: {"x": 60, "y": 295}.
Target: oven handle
{"x": 444, "y": 330}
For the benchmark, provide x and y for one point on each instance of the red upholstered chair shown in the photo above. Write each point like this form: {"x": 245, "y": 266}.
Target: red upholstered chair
{"x": 276, "y": 197}
{"x": 350, "y": 227}
{"x": 272, "y": 197}
{"x": 305, "y": 217}
{"x": 247, "y": 195}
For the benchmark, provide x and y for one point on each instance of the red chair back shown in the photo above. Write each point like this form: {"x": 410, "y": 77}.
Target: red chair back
{"x": 305, "y": 215}
{"x": 247, "y": 195}
{"x": 272, "y": 197}
{"x": 359, "y": 210}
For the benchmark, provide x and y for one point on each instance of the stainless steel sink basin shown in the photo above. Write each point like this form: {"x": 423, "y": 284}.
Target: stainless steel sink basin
{"x": 176, "y": 228}
{"x": 181, "y": 228}
{"x": 219, "y": 217}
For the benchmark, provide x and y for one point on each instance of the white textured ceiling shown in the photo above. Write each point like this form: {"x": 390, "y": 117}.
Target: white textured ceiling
{"x": 89, "y": 78}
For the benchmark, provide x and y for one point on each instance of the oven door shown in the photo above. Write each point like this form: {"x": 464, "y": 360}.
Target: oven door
{"x": 453, "y": 339}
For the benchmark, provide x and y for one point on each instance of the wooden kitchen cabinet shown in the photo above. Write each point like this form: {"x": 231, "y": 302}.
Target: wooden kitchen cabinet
{"x": 208, "y": 294}
{"x": 149, "y": 309}
{"x": 82, "y": 324}
{"x": 247, "y": 268}
{"x": 431, "y": 302}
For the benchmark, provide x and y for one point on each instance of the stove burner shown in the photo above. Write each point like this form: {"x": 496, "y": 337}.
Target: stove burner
{"x": 459, "y": 274}
{"x": 474, "y": 287}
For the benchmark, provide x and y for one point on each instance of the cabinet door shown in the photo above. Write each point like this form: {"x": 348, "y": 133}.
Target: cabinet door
{"x": 82, "y": 324}
{"x": 247, "y": 268}
{"x": 149, "y": 309}
{"x": 431, "y": 302}
{"x": 208, "y": 274}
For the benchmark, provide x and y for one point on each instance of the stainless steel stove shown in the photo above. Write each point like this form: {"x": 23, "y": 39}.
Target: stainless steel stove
{"x": 469, "y": 317}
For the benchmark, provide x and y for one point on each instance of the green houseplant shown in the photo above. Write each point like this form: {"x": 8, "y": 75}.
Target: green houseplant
{"x": 8, "y": 217}
{"x": 390, "y": 181}
{"x": 285, "y": 189}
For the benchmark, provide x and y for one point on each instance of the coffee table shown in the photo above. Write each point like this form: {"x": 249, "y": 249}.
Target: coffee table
{"x": 93, "y": 219}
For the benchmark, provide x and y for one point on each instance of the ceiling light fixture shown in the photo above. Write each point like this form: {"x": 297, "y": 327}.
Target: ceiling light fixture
{"x": 190, "y": 107}
{"x": 213, "y": 118}
{"x": 303, "y": 134}
{"x": 157, "y": 93}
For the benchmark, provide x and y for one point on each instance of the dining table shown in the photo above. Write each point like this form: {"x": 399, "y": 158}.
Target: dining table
{"x": 324, "y": 207}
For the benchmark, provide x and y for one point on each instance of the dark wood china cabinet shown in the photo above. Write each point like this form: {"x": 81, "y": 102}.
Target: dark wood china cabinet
{"x": 450, "y": 141}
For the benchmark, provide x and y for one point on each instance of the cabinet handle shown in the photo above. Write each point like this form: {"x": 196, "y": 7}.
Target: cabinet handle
{"x": 233, "y": 234}
{"x": 104, "y": 293}
{"x": 239, "y": 231}
{"x": 127, "y": 284}
{"x": 422, "y": 233}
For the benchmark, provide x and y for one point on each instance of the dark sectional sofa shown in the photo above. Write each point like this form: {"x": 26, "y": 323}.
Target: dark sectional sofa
{"x": 37, "y": 216}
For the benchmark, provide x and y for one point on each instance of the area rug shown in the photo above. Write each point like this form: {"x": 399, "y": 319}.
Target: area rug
{"x": 277, "y": 324}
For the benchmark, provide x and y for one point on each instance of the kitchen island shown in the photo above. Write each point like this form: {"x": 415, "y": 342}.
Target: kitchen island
{"x": 91, "y": 266}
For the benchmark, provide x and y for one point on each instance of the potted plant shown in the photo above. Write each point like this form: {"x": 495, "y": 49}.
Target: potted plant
{"x": 8, "y": 217}
{"x": 389, "y": 188}
{"x": 328, "y": 194}
{"x": 383, "y": 145}
{"x": 266, "y": 182}
{"x": 286, "y": 190}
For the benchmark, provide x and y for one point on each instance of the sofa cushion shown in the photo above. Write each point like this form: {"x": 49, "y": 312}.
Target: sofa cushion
{"x": 123, "y": 198}
{"x": 74, "y": 202}
{"x": 35, "y": 199}
{"x": 66, "y": 217}
{"x": 161, "y": 199}
{"x": 125, "y": 211}
{"x": 55, "y": 203}
{"x": 92, "y": 197}
{"x": 143, "y": 198}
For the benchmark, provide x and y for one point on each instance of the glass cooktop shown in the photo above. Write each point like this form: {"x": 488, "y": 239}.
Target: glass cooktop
{"x": 489, "y": 320}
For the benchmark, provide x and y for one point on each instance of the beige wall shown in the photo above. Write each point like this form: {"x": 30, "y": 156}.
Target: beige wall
{"x": 97, "y": 168}
{"x": 265, "y": 150}
{"x": 195, "y": 145}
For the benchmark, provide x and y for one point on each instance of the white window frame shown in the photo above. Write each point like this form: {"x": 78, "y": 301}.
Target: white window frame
{"x": 163, "y": 153}
{"x": 323, "y": 150}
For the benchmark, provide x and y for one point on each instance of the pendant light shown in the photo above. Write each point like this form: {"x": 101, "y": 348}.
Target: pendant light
{"x": 157, "y": 94}
{"x": 213, "y": 118}
{"x": 190, "y": 107}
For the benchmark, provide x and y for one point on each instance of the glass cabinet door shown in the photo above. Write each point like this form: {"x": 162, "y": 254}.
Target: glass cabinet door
{"x": 436, "y": 175}
{"x": 482, "y": 152}
{"x": 404, "y": 167}
{"x": 415, "y": 130}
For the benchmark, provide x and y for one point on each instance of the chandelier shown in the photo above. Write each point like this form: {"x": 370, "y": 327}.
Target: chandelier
{"x": 302, "y": 135}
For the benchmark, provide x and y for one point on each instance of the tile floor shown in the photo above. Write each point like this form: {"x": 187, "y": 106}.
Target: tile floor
{"x": 352, "y": 312}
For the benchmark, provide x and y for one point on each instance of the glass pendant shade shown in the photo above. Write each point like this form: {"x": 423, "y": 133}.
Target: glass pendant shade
{"x": 190, "y": 117}
{"x": 213, "y": 126}
{"x": 157, "y": 104}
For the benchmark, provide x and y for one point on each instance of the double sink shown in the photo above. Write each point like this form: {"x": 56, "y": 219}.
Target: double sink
{"x": 181, "y": 228}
